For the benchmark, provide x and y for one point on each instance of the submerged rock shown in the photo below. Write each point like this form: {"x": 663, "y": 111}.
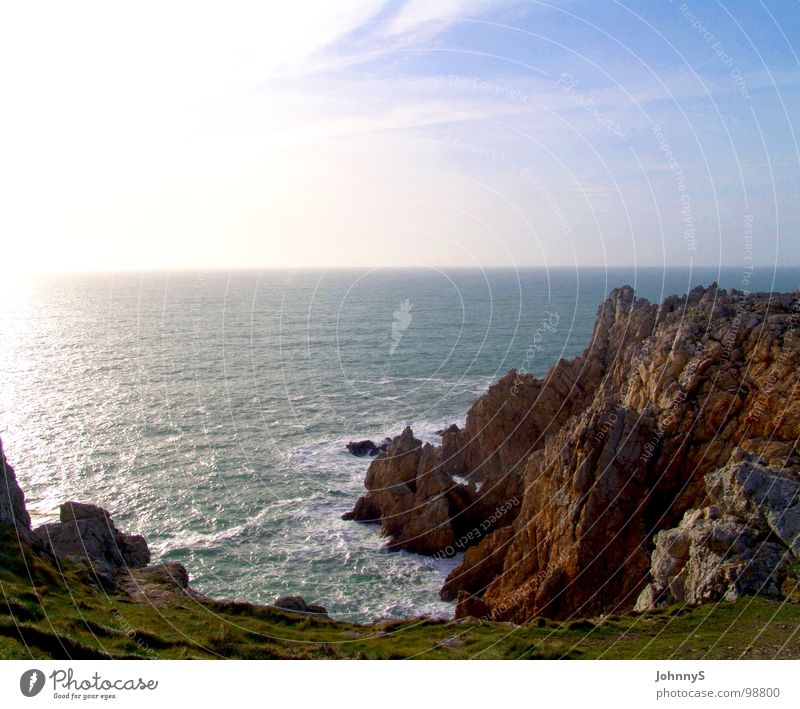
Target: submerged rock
{"x": 365, "y": 448}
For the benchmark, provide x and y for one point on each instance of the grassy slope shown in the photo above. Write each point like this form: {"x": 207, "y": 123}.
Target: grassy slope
{"x": 46, "y": 612}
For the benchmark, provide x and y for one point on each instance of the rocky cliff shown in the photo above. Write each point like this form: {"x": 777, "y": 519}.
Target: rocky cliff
{"x": 13, "y": 512}
{"x": 606, "y": 451}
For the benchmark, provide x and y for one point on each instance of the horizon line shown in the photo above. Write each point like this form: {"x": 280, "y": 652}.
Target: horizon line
{"x": 752, "y": 268}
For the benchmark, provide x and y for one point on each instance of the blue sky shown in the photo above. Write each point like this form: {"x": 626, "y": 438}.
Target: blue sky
{"x": 172, "y": 135}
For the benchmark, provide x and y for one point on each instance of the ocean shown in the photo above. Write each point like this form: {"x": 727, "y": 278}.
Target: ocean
{"x": 210, "y": 411}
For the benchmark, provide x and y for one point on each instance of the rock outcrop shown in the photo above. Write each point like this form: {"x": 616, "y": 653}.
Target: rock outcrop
{"x": 364, "y": 448}
{"x": 743, "y": 542}
{"x": 604, "y": 452}
{"x": 676, "y": 389}
{"x": 13, "y": 512}
{"x": 86, "y": 538}
{"x": 410, "y": 495}
{"x": 86, "y": 534}
{"x": 160, "y": 585}
{"x": 297, "y": 604}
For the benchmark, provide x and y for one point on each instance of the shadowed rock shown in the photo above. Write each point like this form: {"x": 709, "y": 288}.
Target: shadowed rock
{"x": 12, "y": 501}
{"x": 297, "y": 604}
{"x": 87, "y": 533}
{"x": 365, "y": 448}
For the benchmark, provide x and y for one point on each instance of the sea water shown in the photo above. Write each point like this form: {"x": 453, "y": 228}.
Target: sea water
{"x": 210, "y": 411}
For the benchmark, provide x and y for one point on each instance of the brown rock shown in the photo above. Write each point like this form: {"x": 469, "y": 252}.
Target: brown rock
{"x": 603, "y": 452}
{"x": 468, "y": 606}
{"x": 408, "y": 494}
{"x": 481, "y": 562}
{"x": 674, "y": 390}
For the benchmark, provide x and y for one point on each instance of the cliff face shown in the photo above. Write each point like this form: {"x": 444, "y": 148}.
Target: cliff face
{"x": 12, "y": 502}
{"x": 611, "y": 447}
{"x": 743, "y": 542}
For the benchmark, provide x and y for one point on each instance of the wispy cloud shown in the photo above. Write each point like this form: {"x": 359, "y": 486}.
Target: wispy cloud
{"x": 420, "y": 19}
{"x": 170, "y": 123}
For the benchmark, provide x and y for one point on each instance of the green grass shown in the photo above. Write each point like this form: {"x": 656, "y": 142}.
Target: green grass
{"x": 52, "y": 612}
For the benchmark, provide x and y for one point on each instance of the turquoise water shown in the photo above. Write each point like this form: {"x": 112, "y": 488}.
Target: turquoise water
{"x": 209, "y": 411}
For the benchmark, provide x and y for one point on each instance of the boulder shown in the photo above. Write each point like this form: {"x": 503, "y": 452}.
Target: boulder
{"x": 87, "y": 533}
{"x": 169, "y": 573}
{"x": 74, "y": 511}
{"x": 161, "y": 585}
{"x": 297, "y": 604}
{"x": 765, "y": 498}
{"x": 713, "y": 559}
{"x": 134, "y": 550}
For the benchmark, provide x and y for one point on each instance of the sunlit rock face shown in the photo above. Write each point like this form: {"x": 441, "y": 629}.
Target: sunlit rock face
{"x": 744, "y": 542}
{"x": 602, "y": 453}
{"x": 676, "y": 389}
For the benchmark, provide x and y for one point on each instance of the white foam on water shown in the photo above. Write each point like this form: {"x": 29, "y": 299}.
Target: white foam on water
{"x": 373, "y": 583}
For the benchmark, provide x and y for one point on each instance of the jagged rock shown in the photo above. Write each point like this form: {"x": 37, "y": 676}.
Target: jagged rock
{"x": 743, "y": 543}
{"x": 481, "y": 562}
{"x": 469, "y": 606}
{"x": 297, "y": 604}
{"x": 87, "y": 532}
{"x": 610, "y": 447}
{"x": 12, "y": 501}
{"x": 580, "y": 550}
{"x": 416, "y": 501}
{"x": 366, "y": 510}
{"x": 364, "y": 448}
{"x": 662, "y": 396}
{"x": 421, "y": 508}
{"x": 764, "y": 498}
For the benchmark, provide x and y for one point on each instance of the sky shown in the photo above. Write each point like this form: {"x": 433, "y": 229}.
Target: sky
{"x": 163, "y": 135}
